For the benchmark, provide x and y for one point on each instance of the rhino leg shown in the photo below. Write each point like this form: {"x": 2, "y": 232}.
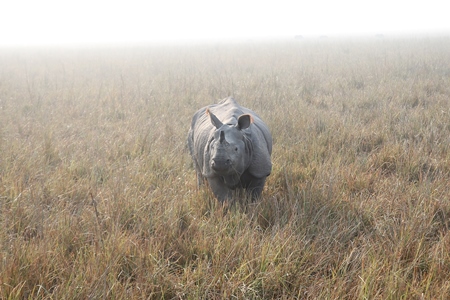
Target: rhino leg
{"x": 200, "y": 178}
{"x": 254, "y": 186}
{"x": 220, "y": 190}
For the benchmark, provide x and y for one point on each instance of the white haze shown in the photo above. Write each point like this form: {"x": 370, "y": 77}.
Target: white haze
{"x": 92, "y": 22}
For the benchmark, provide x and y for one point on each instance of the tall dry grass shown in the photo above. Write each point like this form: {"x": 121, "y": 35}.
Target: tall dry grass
{"x": 98, "y": 198}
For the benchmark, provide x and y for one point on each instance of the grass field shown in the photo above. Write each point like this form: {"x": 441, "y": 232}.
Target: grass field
{"x": 98, "y": 196}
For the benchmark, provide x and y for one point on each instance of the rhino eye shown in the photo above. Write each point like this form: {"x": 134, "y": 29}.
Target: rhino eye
{"x": 236, "y": 149}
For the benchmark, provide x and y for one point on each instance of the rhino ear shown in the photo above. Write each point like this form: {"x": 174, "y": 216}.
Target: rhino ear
{"x": 214, "y": 120}
{"x": 244, "y": 121}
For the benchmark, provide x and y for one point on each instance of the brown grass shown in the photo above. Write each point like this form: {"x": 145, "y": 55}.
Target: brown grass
{"x": 98, "y": 197}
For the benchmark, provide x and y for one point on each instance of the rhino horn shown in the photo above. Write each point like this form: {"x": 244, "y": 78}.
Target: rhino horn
{"x": 214, "y": 120}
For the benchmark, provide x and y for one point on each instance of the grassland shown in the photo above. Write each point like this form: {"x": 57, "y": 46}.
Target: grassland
{"x": 98, "y": 197}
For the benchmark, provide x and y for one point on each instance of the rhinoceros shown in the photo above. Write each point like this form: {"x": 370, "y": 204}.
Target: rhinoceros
{"x": 231, "y": 147}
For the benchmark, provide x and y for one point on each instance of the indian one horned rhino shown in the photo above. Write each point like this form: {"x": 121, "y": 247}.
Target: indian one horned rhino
{"x": 231, "y": 147}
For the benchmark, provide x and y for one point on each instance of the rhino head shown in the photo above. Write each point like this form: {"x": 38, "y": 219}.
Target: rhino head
{"x": 229, "y": 151}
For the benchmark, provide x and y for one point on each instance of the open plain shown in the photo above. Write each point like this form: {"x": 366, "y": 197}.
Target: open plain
{"x": 98, "y": 196}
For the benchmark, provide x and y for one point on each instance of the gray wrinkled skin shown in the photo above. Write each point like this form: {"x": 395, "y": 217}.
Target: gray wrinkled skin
{"x": 231, "y": 147}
